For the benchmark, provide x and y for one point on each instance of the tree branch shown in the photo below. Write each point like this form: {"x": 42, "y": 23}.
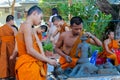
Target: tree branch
{"x": 107, "y": 8}
{"x": 9, "y": 2}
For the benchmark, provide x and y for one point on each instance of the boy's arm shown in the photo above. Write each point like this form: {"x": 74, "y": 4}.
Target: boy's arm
{"x": 15, "y": 52}
{"x": 107, "y": 48}
{"x": 58, "y": 46}
{"x": 94, "y": 40}
{"x": 39, "y": 43}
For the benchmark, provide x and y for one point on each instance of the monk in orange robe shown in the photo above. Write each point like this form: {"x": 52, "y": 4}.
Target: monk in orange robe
{"x": 62, "y": 61}
{"x": 64, "y": 27}
{"x": 61, "y": 25}
{"x": 7, "y": 47}
{"x": 31, "y": 62}
{"x": 68, "y": 42}
{"x": 110, "y": 45}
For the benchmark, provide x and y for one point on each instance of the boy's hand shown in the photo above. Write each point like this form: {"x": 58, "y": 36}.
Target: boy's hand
{"x": 68, "y": 59}
{"x": 89, "y": 34}
{"x": 11, "y": 57}
{"x": 53, "y": 62}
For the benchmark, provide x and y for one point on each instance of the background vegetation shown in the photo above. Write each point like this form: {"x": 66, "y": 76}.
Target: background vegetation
{"x": 94, "y": 20}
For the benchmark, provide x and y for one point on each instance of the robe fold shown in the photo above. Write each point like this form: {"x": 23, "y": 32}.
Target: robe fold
{"x": 7, "y": 45}
{"x": 63, "y": 27}
{"x": 113, "y": 45}
{"x": 28, "y": 67}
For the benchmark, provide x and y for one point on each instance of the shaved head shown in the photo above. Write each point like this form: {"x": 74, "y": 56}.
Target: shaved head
{"x": 34, "y": 8}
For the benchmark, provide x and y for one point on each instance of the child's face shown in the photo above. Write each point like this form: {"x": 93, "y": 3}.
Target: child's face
{"x": 43, "y": 30}
{"x": 111, "y": 35}
{"x": 37, "y": 18}
{"x": 11, "y": 22}
{"x": 56, "y": 23}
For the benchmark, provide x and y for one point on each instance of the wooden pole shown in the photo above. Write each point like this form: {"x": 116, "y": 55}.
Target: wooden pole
{"x": 13, "y": 7}
{"x": 69, "y": 4}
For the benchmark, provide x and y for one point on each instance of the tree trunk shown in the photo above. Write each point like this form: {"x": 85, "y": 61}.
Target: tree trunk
{"x": 114, "y": 10}
{"x": 13, "y": 7}
{"x": 69, "y": 4}
{"x": 117, "y": 30}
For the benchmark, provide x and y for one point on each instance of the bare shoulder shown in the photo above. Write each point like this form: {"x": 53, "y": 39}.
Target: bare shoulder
{"x": 14, "y": 30}
{"x": 106, "y": 41}
{"x": 24, "y": 24}
{"x": 64, "y": 34}
{"x": 25, "y": 27}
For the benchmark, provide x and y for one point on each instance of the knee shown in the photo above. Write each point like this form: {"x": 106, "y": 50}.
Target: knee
{"x": 113, "y": 57}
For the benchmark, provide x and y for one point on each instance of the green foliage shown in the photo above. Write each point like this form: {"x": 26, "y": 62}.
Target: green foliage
{"x": 94, "y": 20}
{"x": 63, "y": 10}
{"x": 96, "y": 48}
{"x": 46, "y": 10}
{"x": 48, "y": 47}
{"x": 47, "y": 5}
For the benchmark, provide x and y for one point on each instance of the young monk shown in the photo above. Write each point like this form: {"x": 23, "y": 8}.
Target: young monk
{"x": 44, "y": 29}
{"x": 31, "y": 62}
{"x": 7, "y": 46}
{"x": 61, "y": 25}
{"x": 110, "y": 45}
{"x": 54, "y": 38}
{"x": 68, "y": 41}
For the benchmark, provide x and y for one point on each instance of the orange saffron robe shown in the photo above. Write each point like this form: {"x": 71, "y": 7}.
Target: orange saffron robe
{"x": 28, "y": 67}
{"x": 7, "y": 45}
{"x": 112, "y": 45}
{"x": 40, "y": 36}
{"x": 63, "y": 27}
{"x": 62, "y": 60}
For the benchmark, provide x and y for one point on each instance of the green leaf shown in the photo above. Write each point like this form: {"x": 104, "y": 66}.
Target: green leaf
{"x": 48, "y": 47}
